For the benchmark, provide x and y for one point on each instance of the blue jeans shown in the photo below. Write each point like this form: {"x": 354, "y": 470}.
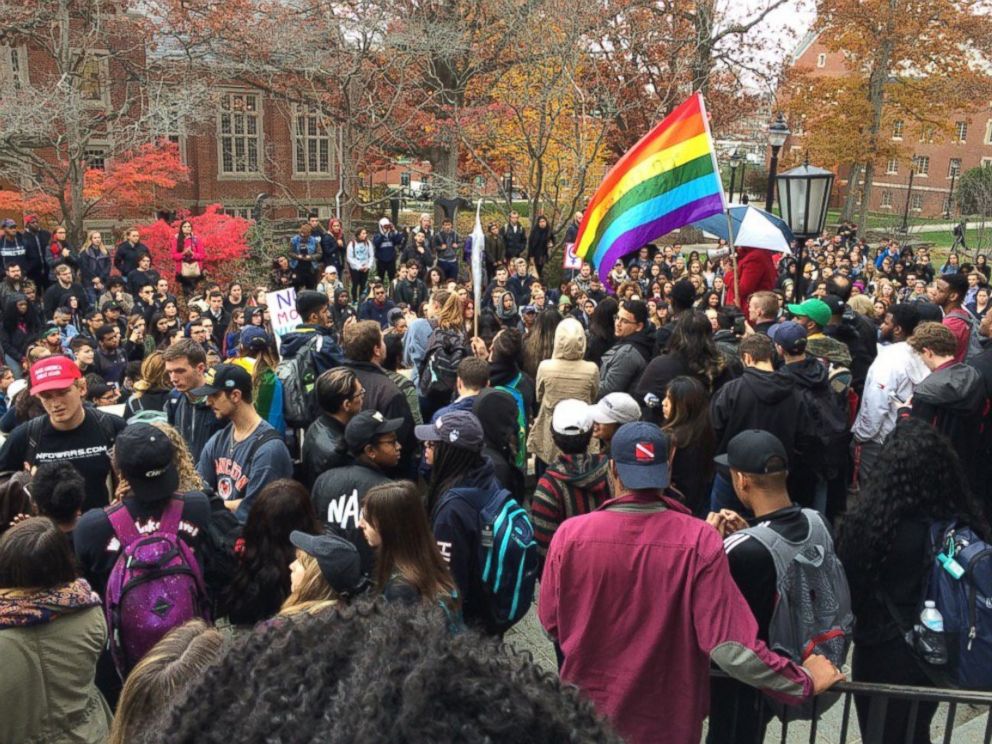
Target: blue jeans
{"x": 448, "y": 268}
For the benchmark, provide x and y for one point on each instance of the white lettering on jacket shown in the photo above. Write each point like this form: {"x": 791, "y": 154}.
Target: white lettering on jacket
{"x": 344, "y": 510}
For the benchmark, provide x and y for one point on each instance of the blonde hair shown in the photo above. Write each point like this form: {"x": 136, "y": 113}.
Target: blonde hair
{"x": 153, "y": 375}
{"x": 862, "y": 304}
{"x": 174, "y": 664}
{"x": 189, "y": 479}
{"x": 313, "y": 594}
{"x": 451, "y": 314}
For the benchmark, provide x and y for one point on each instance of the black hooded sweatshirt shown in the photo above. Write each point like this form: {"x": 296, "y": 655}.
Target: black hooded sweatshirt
{"x": 759, "y": 400}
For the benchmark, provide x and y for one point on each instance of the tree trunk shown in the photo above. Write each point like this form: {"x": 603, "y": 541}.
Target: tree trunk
{"x": 876, "y": 99}
{"x": 865, "y": 198}
{"x": 850, "y": 199}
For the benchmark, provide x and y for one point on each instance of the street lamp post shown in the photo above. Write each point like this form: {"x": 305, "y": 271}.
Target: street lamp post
{"x": 950, "y": 195}
{"x": 778, "y": 133}
{"x": 803, "y": 198}
{"x": 735, "y": 161}
{"x": 909, "y": 195}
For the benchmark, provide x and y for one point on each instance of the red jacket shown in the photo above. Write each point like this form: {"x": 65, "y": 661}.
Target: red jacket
{"x": 757, "y": 273}
{"x": 196, "y": 247}
{"x": 641, "y": 603}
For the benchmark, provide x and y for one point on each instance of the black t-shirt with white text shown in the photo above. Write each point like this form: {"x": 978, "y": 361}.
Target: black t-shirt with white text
{"x": 86, "y": 448}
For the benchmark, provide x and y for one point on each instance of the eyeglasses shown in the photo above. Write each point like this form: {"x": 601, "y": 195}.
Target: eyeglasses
{"x": 356, "y": 396}
{"x": 626, "y": 320}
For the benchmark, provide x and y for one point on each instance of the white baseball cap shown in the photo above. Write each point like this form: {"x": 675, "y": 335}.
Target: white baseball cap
{"x": 615, "y": 408}
{"x": 571, "y": 416}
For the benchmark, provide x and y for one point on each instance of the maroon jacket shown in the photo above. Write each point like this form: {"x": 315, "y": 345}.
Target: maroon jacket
{"x": 641, "y": 601}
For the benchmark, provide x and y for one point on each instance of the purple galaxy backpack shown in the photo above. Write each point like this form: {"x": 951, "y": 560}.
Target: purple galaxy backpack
{"x": 155, "y": 585}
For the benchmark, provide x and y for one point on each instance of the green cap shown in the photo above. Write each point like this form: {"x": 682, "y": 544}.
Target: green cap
{"x": 815, "y": 309}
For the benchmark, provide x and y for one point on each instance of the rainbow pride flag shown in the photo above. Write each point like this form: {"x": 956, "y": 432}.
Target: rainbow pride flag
{"x": 668, "y": 179}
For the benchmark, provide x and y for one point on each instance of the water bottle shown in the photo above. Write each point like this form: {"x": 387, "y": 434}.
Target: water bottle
{"x": 930, "y": 633}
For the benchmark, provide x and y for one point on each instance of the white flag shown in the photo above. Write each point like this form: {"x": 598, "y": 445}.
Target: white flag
{"x": 478, "y": 246}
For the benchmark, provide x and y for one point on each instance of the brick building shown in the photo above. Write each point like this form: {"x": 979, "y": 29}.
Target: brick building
{"x": 939, "y": 160}
{"x": 250, "y": 144}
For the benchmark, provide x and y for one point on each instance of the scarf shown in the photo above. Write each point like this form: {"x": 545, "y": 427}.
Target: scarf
{"x": 20, "y": 608}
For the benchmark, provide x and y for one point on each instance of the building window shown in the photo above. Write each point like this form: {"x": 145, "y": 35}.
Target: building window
{"x": 897, "y": 129}
{"x": 887, "y": 200}
{"x": 916, "y": 202}
{"x": 926, "y": 134}
{"x": 96, "y": 157}
{"x": 946, "y": 206}
{"x": 94, "y": 77}
{"x": 892, "y": 167}
{"x": 954, "y": 167}
{"x": 922, "y": 165}
{"x": 986, "y": 162}
{"x": 405, "y": 179}
{"x": 988, "y": 132}
{"x": 243, "y": 212}
{"x": 960, "y": 131}
{"x": 240, "y": 134}
{"x": 311, "y": 143}
{"x": 13, "y": 67}
{"x": 821, "y": 60}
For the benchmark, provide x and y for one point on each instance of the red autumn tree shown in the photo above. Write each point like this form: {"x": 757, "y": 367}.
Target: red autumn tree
{"x": 223, "y": 236}
{"x": 136, "y": 181}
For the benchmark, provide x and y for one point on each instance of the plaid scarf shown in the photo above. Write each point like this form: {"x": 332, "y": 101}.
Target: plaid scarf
{"x": 21, "y": 608}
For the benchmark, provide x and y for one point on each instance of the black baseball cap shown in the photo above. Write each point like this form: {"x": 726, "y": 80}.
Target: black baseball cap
{"x": 366, "y": 426}
{"x": 755, "y": 451}
{"x": 640, "y": 451}
{"x": 835, "y": 303}
{"x": 338, "y": 559}
{"x": 224, "y": 378}
{"x": 144, "y": 456}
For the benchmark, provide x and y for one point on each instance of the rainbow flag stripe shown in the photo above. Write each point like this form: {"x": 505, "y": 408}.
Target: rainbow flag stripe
{"x": 667, "y": 180}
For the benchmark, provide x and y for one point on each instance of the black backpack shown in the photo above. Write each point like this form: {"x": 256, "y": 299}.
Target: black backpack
{"x": 220, "y": 556}
{"x": 438, "y": 371}
{"x": 827, "y": 431}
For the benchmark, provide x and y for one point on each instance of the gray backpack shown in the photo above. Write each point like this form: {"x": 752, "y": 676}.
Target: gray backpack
{"x": 812, "y": 605}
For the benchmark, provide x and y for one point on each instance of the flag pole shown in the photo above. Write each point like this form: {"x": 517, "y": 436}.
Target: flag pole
{"x": 723, "y": 198}
{"x": 733, "y": 259}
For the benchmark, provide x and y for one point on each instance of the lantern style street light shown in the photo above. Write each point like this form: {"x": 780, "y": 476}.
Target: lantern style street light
{"x": 778, "y": 133}
{"x": 735, "y": 161}
{"x": 803, "y": 198}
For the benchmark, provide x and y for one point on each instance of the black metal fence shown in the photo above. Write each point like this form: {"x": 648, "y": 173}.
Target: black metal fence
{"x": 875, "y": 700}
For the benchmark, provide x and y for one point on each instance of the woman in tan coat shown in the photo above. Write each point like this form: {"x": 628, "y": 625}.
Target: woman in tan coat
{"x": 564, "y": 375}
{"x": 51, "y": 634}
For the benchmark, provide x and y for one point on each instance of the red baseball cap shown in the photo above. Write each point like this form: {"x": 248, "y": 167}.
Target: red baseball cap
{"x": 53, "y": 373}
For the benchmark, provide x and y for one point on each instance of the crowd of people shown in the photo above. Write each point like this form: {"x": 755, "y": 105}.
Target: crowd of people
{"x": 328, "y": 533}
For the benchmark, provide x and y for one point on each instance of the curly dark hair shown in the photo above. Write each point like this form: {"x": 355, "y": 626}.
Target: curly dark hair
{"x": 262, "y": 582}
{"x": 692, "y": 340}
{"x": 917, "y": 476}
{"x": 372, "y": 672}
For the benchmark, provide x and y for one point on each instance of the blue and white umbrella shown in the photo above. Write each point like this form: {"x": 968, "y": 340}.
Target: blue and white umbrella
{"x": 753, "y": 228}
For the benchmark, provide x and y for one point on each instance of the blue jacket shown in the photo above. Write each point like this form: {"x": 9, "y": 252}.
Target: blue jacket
{"x": 387, "y": 245}
{"x": 368, "y": 310}
{"x": 418, "y": 335}
{"x": 312, "y": 248}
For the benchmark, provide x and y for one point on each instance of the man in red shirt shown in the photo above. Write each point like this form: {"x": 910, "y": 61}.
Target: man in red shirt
{"x": 950, "y": 292}
{"x": 640, "y": 598}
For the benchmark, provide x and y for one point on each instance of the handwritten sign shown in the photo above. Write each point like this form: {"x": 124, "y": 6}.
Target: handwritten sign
{"x": 282, "y": 309}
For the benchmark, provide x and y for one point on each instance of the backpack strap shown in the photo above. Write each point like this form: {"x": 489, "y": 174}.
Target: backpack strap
{"x": 123, "y": 525}
{"x": 34, "y": 431}
{"x": 171, "y": 517}
{"x": 266, "y": 436}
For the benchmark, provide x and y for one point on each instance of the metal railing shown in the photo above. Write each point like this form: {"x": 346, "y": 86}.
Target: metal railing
{"x": 877, "y": 698}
